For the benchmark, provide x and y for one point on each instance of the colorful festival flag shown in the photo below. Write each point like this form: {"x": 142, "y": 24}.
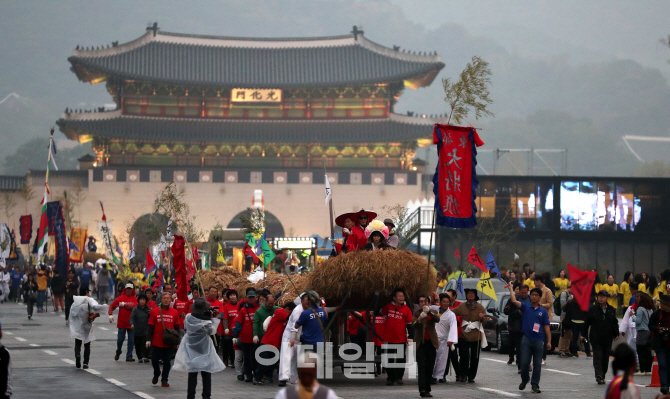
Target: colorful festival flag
{"x": 473, "y": 257}
{"x": 582, "y": 284}
{"x": 491, "y": 265}
{"x": 159, "y": 281}
{"x": 459, "y": 285}
{"x": 26, "y": 228}
{"x": 43, "y": 232}
{"x": 151, "y": 265}
{"x": 219, "y": 255}
{"x": 484, "y": 285}
{"x": 457, "y": 254}
{"x": 455, "y": 180}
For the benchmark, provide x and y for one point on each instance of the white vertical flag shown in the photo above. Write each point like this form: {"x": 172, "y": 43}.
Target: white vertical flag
{"x": 327, "y": 190}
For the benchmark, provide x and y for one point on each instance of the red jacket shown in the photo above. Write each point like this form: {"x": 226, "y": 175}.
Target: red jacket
{"x": 124, "y": 312}
{"x": 276, "y": 328}
{"x": 356, "y": 239}
{"x": 183, "y": 308}
{"x": 246, "y": 321}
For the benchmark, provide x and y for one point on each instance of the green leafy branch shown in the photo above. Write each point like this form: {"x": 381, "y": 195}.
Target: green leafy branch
{"x": 469, "y": 92}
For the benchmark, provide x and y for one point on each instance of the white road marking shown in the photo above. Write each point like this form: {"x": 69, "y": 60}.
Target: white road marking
{"x": 143, "y": 395}
{"x": 641, "y": 386}
{"x": 20, "y": 339}
{"x": 94, "y": 372}
{"x": 103, "y": 328}
{"x": 494, "y": 360}
{"x": 48, "y": 352}
{"x": 499, "y": 392}
{"x": 115, "y": 382}
{"x": 562, "y": 372}
{"x": 9, "y": 333}
{"x": 68, "y": 361}
{"x": 33, "y": 345}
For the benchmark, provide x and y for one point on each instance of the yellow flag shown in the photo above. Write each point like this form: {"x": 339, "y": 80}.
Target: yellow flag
{"x": 484, "y": 285}
{"x": 219, "y": 255}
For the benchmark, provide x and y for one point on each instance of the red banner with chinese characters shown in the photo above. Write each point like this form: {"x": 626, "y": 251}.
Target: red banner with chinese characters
{"x": 455, "y": 180}
{"x": 26, "y": 229}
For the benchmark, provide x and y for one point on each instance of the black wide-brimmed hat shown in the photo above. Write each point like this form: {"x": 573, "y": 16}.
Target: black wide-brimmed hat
{"x": 466, "y": 290}
{"x": 200, "y": 306}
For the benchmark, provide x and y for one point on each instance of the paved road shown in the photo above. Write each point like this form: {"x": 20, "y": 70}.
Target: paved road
{"x": 43, "y": 362}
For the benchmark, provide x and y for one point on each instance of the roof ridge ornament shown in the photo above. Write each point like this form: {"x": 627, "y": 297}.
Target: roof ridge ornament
{"x": 153, "y": 28}
{"x": 357, "y": 32}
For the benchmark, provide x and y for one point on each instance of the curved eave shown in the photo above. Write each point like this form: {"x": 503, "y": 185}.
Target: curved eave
{"x": 421, "y": 77}
{"x": 114, "y": 126}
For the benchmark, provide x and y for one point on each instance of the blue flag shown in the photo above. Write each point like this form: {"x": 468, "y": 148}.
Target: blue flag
{"x": 459, "y": 285}
{"x": 73, "y": 246}
{"x": 491, "y": 266}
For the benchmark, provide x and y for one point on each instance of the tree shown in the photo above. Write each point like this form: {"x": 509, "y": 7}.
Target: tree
{"x": 170, "y": 202}
{"x": 77, "y": 197}
{"x": 469, "y": 92}
{"x": 7, "y": 203}
{"x": 32, "y": 155}
{"x": 27, "y": 192}
{"x": 405, "y": 228}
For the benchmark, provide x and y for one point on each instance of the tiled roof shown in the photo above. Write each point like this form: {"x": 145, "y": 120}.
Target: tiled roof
{"x": 11, "y": 182}
{"x": 114, "y": 125}
{"x": 257, "y": 63}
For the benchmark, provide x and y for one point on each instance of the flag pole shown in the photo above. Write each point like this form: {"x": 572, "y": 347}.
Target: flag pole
{"x": 330, "y": 208}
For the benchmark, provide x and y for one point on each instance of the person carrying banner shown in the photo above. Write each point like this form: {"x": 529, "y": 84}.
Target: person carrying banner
{"x": 274, "y": 328}
{"x": 604, "y": 325}
{"x": 447, "y": 336}
{"x": 125, "y": 302}
{"x": 82, "y": 314}
{"x": 535, "y": 327}
{"x": 473, "y": 338}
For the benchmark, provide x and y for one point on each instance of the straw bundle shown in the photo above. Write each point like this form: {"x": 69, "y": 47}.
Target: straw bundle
{"x": 219, "y": 278}
{"x": 360, "y": 274}
{"x": 226, "y": 277}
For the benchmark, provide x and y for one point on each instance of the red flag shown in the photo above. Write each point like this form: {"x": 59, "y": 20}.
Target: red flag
{"x": 582, "y": 284}
{"x": 151, "y": 265}
{"x": 194, "y": 252}
{"x": 191, "y": 269}
{"x": 474, "y": 258}
{"x": 103, "y": 211}
{"x": 457, "y": 254}
{"x": 179, "y": 262}
{"x": 159, "y": 281}
{"x": 455, "y": 179}
{"x": 249, "y": 252}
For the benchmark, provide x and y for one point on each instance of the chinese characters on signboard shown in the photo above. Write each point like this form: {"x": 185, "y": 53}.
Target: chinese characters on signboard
{"x": 255, "y": 95}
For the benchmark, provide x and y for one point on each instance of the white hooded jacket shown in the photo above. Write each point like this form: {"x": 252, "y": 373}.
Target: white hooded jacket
{"x": 196, "y": 351}
{"x": 80, "y": 327}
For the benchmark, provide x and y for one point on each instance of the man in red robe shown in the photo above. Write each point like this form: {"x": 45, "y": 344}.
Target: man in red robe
{"x": 357, "y": 238}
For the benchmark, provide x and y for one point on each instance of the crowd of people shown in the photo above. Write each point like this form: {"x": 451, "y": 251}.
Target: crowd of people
{"x": 249, "y": 333}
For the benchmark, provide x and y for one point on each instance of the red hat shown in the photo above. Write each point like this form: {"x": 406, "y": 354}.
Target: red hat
{"x": 340, "y": 219}
{"x": 371, "y": 215}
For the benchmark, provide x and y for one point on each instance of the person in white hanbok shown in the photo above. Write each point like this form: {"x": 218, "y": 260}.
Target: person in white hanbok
{"x": 83, "y": 312}
{"x": 447, "y": 335}
{"x": 288, "y": 364}
{"x": 196, "y": 353}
